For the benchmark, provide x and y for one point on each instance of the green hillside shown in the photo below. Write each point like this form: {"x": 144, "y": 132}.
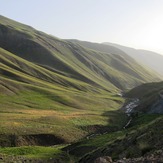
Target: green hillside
{"x": 51, "y": 100}
{"x": 148, "y": 58}
{"x": 47, "y": 88}
{"x": 136, "y": 66}
{"x": 141, "y": 141}
{"x": 55, "y": 92}
{"x": 138, "y": 141}
{"x": 107, "y": 70}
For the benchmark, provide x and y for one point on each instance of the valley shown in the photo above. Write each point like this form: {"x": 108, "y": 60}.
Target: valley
{"x": 72, "y": 101}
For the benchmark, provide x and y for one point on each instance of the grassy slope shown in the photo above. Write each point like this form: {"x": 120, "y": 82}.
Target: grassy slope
{"x": 33, "y": 154}
{"x": 48, "y": 97}
{"x": 99, "y": 68}
{"x": 51, "y": 86}
{"x": 37, "y": 101}
{"x": 136, "y": 69}
{"x": 148, "y": 58}
{"x": 50, "y": 100}
{"x": 144, "y": 136}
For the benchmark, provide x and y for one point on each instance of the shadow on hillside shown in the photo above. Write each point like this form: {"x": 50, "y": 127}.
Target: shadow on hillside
{"x": 28, "y": 140}
{"x": 116, "y": 121}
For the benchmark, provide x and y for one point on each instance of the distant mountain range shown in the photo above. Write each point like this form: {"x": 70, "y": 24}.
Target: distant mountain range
{"x": 148, "y": 58}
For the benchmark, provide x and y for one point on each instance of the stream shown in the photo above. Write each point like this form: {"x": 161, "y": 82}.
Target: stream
{"x": 129, "y": 109}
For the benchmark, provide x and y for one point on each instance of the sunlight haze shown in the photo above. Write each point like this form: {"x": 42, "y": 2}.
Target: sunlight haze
{"x": 81, "y": 81}
{"x": 135, "y": 23}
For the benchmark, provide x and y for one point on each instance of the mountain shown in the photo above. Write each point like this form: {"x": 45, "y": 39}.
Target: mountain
{"x": 148, "y": 58}
{"x": 111, "y": 49}
{"x": 62, "y": 73}
{"x": 57, "y": 92}
{"x": 72, "y": 60}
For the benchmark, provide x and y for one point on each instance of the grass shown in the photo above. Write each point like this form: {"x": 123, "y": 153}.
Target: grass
{"x": 36, "y": 110}
{"x": 35, "y": 153}
{"x": 52, "y": 86}
{"x": 135, "y": 141}
{"x": 144, "y": 119}
{"x": 122, "y": 63}
{"x": 32, "y": 152}
{"x": 101, "y": 144}
{"x": 42, "y": 101}
{"x": 99, "y": 68}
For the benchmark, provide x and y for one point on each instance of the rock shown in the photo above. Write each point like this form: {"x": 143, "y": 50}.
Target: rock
{"x": 121, "y": 161}
{"x": 104, "y": 159}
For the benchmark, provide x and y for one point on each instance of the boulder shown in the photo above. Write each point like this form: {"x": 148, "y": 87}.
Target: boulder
{"x": 104, "y": 159}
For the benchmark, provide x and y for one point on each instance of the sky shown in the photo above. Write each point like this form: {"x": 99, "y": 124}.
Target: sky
{"x": 133, "y": 23}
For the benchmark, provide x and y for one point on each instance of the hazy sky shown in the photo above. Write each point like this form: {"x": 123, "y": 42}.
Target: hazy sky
{"x": 134, "y": 23}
